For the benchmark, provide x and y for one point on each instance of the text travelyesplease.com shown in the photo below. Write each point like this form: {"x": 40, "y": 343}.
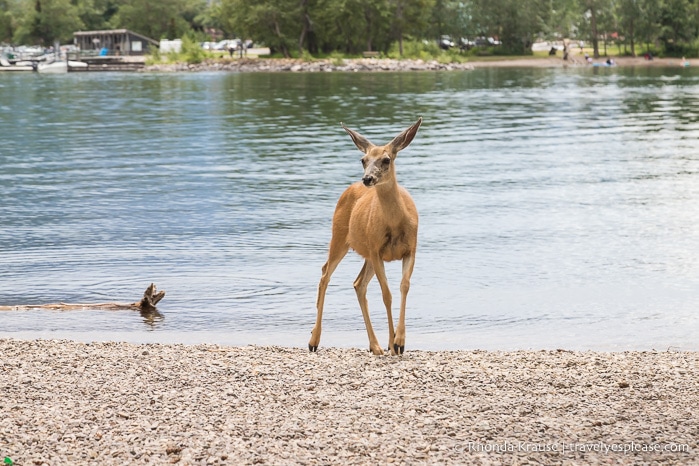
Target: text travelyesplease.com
{"x": 573, "y": 447}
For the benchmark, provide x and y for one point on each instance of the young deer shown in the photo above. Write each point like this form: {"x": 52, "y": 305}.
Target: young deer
{"x": 377, "y": 218}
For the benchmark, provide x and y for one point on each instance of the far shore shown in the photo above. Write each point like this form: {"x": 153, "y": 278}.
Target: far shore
{"x": 387, "y": 64}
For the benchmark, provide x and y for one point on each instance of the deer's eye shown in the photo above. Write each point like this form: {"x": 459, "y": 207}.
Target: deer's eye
{"x": 386, "y": 161}
{"x": 364, "y": 163}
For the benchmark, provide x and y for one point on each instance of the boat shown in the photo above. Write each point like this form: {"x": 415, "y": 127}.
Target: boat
{"x": 5, "y": 65}
{"x": 57, "y": 62}
{"x": 60, "y": 66}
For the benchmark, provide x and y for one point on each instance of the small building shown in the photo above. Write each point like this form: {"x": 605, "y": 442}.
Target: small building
{"x": 167, "y": 46}
{"x": 114, "y": 42}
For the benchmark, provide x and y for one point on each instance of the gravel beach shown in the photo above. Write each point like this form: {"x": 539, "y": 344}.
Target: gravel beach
{"x": 299, "y": 65}
{"x": 387, "y": 64}
{"x": 116, "y": 403}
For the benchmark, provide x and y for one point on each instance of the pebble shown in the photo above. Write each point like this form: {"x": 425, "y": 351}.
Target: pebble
{"x": 209, "y": 404}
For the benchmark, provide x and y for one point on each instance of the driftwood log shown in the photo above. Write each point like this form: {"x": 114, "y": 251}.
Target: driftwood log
{"x": 151, "y": 297}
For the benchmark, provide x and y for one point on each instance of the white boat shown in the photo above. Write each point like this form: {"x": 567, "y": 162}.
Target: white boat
{"x": 72, "y": 64}
{"x": 57, "y": 66}
{"x": 5, "y": 65}
{"x": 16, "y": 68}
{"x": 60, "y": 66}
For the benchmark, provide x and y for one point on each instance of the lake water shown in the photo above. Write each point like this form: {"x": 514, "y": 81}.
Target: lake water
{"x": 559, "y": 208}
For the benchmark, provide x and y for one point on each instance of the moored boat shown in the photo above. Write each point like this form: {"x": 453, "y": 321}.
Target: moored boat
{"x": 5, "y": 65}
{"x": 60, "y": 66}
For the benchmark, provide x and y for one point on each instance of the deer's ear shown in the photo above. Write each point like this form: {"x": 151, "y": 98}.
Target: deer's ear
{"x": 362, "y": 143}
{"x": 404, "y": 139}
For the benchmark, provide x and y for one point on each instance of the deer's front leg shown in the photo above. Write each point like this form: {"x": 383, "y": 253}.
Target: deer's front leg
{"x": 329, "y": 267}
{"x": 399, "y": 339}
{"x": 317, "y": 328}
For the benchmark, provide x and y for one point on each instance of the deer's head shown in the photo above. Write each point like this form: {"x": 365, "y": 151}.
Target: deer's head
{"x": 379, "y": 161}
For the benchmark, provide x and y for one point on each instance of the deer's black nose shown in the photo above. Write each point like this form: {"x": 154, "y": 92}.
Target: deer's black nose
{"x": 368, "y": 180}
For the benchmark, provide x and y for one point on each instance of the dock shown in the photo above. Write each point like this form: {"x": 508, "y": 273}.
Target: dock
{"x": 109, "y": 63}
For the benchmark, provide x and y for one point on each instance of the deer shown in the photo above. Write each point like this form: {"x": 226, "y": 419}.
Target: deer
{"x": 377, "y": 218}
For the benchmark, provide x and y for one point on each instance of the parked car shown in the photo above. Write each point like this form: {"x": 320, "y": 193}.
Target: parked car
{"x": 465, "y": 44}
{"x": 226, "y": 44}
{"x": 486, "y": 41}
{"x": 445, "y": 42}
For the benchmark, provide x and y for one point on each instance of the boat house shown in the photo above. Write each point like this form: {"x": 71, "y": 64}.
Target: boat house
{"x": 114, "y": 42}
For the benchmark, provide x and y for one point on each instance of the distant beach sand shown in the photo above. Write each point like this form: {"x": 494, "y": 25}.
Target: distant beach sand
{"x": 579, "y": 61}
{"x": 115, "y": 403}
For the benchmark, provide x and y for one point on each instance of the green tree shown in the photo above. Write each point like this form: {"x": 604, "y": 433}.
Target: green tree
{"x": 514, "y": 22}
{"x": 8, "y": 21}
{"x": 265, "y": 20}
{"x": 283, "y": 25}
{"x": 629, "y": 14}
{"x": 597, "y": 16}
{"x": 49, "y": 21}
{"x": 451, "y": 18}
{"x": 563, "y": 18}
{"x": 526, "y": 19}
{"x": 153, "y": 18}
{"x": 96, "y": 14}
{"x": 410, "y": 19}
{"x": 375, "y": 25}
{"x": 649, "y": 23}
{"x": 678, "y": 24}
{"x": 194, "y": 14}
{"x": 352, "y": 26}
{"x": 219, "y": 15}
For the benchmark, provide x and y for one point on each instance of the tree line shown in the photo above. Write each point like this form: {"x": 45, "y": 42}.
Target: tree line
{"x": 291, "y": 27}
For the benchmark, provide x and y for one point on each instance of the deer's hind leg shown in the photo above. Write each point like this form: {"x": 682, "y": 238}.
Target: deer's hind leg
{"x": 335, "y": 255}
{"x": 360, "y": 286}
{"x": 399, "y": 339}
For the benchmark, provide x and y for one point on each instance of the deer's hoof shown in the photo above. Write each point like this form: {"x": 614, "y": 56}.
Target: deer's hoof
{"x": 312, "y": 349}
{"x": 398, "y": 349}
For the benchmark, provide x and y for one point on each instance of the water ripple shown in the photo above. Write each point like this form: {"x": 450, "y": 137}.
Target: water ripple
{"x": 558, "y": 207}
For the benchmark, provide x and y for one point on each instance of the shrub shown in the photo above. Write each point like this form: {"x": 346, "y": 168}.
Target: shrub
{"x": 416, "y": 49}
{"x": 306, "y": 56}
{"x": 154, "y": 58}
{"x": 688, "y": 50}
{"x": 191, "y": 51}
{"x": 337, "y": 59}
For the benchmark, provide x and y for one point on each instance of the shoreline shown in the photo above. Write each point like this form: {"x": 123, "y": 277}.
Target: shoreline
{"x": 388, "y": 64}
{"x": 67, "y": 402}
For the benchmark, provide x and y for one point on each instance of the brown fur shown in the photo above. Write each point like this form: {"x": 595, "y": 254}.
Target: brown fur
{"x": 378, "y": 219}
